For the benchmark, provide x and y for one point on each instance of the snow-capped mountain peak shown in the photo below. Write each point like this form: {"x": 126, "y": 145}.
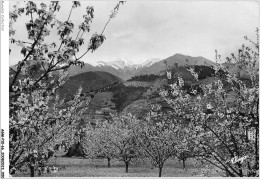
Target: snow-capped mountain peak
{"x": 150, "y": 62}
{"x": 126, "y": 64}
{"x": 121, "y": 63}
{"x": 99, "y": 63}
{"x": 117, "y": 64}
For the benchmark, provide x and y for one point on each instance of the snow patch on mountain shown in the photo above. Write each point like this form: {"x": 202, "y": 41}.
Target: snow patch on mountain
{"x": 126, "y": 64}
{"x": 150, "y": 62}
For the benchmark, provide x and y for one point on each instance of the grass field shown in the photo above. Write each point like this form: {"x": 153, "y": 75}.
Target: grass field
{"x": 79, "y": 167}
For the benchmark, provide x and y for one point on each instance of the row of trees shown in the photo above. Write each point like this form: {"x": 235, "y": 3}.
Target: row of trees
{"x": 127, "y": 138}
{"x": 202, "y": 71}
{"x": 146, "y": 77}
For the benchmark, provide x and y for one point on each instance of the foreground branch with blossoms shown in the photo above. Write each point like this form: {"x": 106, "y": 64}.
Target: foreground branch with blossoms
{"x": 38, "y": 119}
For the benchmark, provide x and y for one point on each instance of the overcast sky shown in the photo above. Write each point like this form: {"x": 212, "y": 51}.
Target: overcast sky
{"x": 143, "y": 30}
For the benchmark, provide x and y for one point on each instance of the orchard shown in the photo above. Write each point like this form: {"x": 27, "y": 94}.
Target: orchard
{"x": 206, "y": 125}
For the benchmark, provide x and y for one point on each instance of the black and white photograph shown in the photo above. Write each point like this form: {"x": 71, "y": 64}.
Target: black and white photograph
{"x": 130, "y": 88}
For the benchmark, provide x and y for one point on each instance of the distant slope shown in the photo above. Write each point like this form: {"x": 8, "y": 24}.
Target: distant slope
{"x": 234, "y": 69}
{"x": 125, "y": 95}
{"x": 180, "y": 59}
{"x": 189, "y": 60}
{"x": 75, "y": 70}
{"x": 88, "y": 81}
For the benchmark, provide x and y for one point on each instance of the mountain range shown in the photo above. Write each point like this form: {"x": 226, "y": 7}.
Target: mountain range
{"x": 125, "y": 69}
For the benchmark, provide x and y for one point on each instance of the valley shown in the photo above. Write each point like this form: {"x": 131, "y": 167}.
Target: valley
{"x": 122, "y": 87}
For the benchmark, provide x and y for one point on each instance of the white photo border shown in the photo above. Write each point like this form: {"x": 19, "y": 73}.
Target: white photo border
{"x": 4, "y": 89}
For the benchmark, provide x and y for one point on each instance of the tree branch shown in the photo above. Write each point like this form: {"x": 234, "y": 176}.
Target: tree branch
{"x": 27, "y": 56}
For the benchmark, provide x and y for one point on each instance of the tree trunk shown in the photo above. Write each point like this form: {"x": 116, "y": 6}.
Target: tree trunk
{"x": 227, "y": 174}
{"x": 230, "y": 174}
{"x": 126, "y": 166}
{"x": 108, "y": 162}
{"x": 32, "y": 171}
{"x": 160, "y": 171}
{"x": 240, "y": 170}
{"x": 183, "y": 164}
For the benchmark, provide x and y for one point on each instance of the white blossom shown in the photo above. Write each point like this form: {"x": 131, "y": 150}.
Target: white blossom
{"x": 169, "y": 75}
{"x": 209, "y": 106}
